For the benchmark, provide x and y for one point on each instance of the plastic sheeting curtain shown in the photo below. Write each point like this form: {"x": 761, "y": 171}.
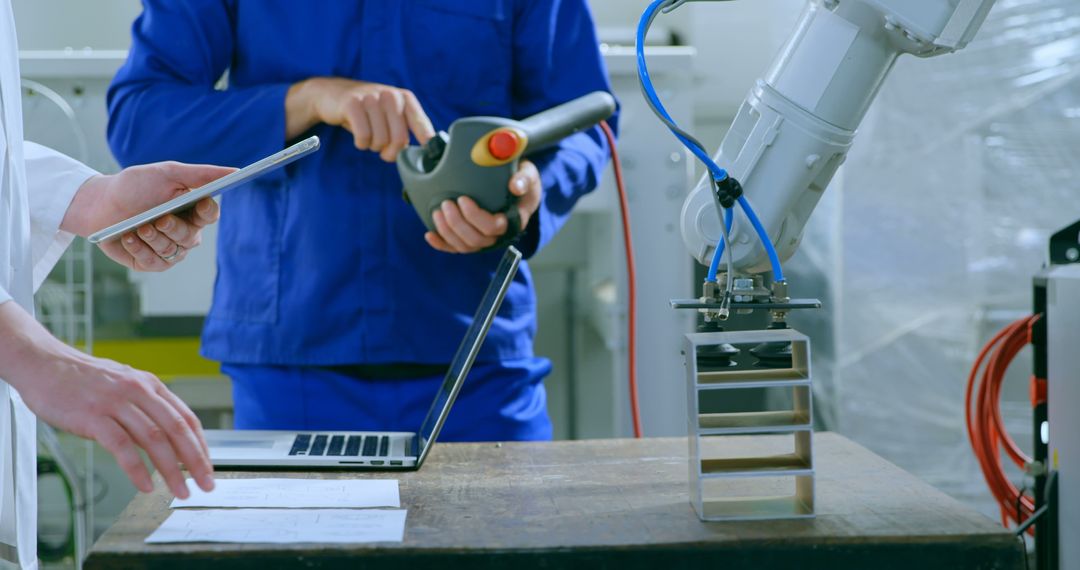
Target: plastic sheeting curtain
{"x": 965, "y": 165}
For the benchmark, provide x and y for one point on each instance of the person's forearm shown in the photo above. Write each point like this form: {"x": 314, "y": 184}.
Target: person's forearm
{"x": 244, "y": 123}
{"x": 121, "y": 408}
{"x": 80, "y": 214}
{"x": 301, "y": 110}
{"x": 26, "y": 346}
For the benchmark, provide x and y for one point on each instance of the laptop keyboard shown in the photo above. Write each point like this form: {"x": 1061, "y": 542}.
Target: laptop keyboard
{"x": 341, "y": 445}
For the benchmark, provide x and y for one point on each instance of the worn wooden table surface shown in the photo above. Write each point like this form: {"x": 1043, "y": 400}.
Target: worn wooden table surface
{"x": 609, "y": 504}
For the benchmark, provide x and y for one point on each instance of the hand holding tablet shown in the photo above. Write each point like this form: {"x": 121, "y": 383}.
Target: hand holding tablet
{"x": 190, "y": 199}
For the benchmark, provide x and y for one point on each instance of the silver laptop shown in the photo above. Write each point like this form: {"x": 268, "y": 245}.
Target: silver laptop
{"x": 368, "y": 450}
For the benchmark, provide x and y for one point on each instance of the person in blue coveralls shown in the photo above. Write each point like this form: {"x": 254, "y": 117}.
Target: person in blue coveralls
{"x": 334, "y": 308}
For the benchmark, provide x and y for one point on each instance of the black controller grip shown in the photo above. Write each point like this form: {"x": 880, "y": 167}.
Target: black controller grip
{"x": 551, "y": 126}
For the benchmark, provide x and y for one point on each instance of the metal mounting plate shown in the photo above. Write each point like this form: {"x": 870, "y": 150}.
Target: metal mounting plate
{"x": 790, "y": 305}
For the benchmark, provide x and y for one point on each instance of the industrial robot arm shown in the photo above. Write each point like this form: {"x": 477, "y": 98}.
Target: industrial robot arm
{"x": 795, "y": 127}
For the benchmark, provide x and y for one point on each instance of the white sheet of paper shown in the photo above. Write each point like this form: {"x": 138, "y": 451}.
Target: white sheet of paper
{"x": 294, "y": 494}
{"x": 281, "y": 526}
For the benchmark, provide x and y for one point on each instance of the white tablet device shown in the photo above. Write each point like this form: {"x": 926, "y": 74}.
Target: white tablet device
{"x": 227, "y": 182}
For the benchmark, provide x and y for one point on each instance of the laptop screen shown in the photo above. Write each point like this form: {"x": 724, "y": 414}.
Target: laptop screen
{"x": 467, "y": 351}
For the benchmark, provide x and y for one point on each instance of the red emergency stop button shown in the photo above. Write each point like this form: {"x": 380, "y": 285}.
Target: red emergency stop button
{"x": 503, "y": 145}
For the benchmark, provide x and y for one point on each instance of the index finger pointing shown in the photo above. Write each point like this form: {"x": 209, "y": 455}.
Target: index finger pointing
{"x": 417, "y": 119}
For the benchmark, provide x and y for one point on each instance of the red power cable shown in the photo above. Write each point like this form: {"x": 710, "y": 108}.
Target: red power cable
{"x": 985, "y": 427}
{"x": 631, "y": 278}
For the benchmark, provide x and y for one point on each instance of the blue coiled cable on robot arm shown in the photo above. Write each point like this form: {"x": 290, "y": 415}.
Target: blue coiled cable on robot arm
{"x": 715, "y": 171}
{"x": 774, "y": 259}
{"x": 714, "y": 266}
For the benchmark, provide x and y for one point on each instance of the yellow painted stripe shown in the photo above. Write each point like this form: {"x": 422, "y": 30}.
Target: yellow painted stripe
{"x": 165, "y": 357}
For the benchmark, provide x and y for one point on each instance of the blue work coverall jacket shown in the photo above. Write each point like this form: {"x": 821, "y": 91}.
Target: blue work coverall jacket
{"x": 323, "y": 264}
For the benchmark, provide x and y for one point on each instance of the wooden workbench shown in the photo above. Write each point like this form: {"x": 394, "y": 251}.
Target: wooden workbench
{"x": 609, "y": 504}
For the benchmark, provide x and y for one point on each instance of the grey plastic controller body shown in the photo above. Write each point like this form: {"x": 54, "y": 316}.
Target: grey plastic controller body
{"x": 479, "y": 155}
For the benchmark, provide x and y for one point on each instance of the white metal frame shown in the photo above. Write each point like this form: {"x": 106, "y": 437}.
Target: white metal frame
{"x": 759, "y": 487}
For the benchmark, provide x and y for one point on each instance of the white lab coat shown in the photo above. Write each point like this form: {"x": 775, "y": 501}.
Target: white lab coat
{"x": 36, "y": 188}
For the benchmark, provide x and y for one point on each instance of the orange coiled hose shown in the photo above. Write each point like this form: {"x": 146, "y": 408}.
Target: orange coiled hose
{"x": 985, "y": 427}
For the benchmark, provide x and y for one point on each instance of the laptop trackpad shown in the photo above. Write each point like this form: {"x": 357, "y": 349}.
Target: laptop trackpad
{"x": 238, "y": 445}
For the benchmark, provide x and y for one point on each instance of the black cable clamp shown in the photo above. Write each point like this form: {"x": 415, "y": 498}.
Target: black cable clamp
{"x": 727, "y": 191}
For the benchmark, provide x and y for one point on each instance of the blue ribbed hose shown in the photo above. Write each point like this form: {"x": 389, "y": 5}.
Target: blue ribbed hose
{"x": 774, "y": 260}
{"x": 718, "y": 174}
{"x": 714, "y": 267}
